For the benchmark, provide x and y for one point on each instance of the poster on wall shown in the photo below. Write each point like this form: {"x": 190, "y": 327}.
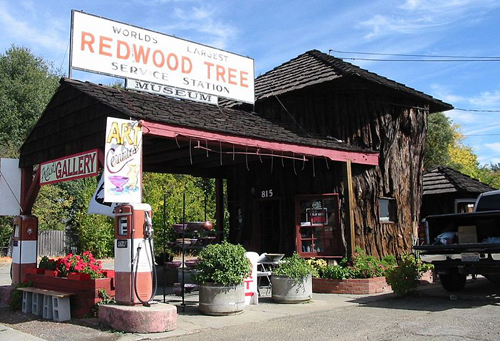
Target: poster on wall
{"x": 122, "y": 161}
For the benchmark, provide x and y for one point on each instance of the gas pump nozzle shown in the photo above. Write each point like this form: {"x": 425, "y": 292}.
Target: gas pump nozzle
{"x": 148, "y": 226}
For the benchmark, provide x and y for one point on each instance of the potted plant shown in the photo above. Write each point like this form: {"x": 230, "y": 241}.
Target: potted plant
{"x": 221, "y": 270}
{"x": 292, "y": 280}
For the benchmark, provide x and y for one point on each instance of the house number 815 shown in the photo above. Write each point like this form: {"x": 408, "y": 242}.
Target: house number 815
{"x": 267, "y": 193}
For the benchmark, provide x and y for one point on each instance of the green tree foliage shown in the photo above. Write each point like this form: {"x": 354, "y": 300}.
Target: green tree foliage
{"x": 95, "y": 232}
{"x": 155, "y": 186}
{"x": 439, "y": 138}
{"x": 28, "y": 82}
{"x": 445, "y": 147}
{"x": 51, "y": 207}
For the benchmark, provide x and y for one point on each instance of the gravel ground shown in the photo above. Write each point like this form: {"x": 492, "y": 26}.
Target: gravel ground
{"x": 75, "y": 330}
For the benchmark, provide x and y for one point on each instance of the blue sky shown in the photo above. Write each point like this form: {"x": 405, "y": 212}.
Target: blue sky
{"x": 273, "y": 32}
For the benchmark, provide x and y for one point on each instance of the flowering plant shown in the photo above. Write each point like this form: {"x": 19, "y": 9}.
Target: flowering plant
{"x": 85, "y": 263}
{"x": 359, "y": 266}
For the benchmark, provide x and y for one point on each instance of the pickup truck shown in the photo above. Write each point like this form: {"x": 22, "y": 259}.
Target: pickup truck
{"x": 464, "y": 244}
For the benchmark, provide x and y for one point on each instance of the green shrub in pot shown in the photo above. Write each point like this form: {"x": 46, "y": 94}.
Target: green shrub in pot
{"x": 294, "y": 267}
{"x": 224, "y": 264}
{"x": 221, "y": 270}
{"x": 292, "y": 280}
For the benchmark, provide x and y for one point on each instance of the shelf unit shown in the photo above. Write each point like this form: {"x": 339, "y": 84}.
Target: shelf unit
{"x": 317, "y": 223}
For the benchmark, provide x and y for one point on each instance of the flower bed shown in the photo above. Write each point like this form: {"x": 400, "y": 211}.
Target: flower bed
{"x": 354, "y": 286}
{"x": 86, "y": 292}
{"x": 81, "y": 275}
{"x": 359, "y": 275}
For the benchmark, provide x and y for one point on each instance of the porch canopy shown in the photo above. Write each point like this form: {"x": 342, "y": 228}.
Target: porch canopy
{"x": 179, "y": 136}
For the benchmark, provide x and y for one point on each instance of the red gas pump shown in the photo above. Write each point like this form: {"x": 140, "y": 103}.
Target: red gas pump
{"x": 135, "y": 271}
{"x": 24, "y": 246}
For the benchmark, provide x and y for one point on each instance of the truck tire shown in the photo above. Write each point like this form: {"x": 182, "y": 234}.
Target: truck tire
{"x": 453, "y": 281}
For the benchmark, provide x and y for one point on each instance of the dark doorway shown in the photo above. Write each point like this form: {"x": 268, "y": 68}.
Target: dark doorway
{"x": 268, "y": 226}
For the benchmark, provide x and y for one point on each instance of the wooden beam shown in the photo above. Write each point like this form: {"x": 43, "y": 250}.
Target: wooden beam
{"x": 30, "y": 188}
{"x": 349, "y": 206}
{"x": 168, "y": 131}
{"x": 219, "y": 208}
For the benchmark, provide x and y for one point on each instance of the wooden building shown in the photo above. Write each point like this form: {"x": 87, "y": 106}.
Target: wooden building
{"x": 449, "y": 191}
{"x": 330, "y": 157}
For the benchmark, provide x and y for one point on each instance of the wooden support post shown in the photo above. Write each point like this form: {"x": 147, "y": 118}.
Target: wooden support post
{"x": 30, "y": 186}
{"x": 348, "y": 207}
{"x": 219, "y": 208}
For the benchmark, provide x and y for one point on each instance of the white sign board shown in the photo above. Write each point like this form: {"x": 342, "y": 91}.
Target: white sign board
{"x": 76, "y": 166}
{"x": 122, "y": 161}
{"x": 251, "y": 292}
{"x": 97, "y": 205}
{"x": 121, "y": 50}
{"x": 170, "y": 91}
{"x": 10, "y": 187}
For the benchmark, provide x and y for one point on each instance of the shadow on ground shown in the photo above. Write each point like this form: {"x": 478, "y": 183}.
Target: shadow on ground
{"x": 433, "y": 298}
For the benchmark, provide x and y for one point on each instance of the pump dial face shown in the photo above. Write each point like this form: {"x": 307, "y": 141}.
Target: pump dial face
{"x": 29, "y": 231}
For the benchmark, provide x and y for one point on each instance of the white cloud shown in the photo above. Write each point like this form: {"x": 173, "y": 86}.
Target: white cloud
{"x": 445, "y": 94}
{"x": 22, "y": 29}
{"x": 484, "y": 127}
{"x": 203, "y": 20}
{"x": 383, "y": 25}
{"x": 493, "y": 146}
{"x": 462, "y": 117}
{"x": 487, "y": 99}
{"x": 416, "y": 16}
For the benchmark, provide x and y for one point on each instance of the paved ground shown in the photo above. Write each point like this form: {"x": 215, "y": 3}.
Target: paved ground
{"x": 435, "y": 314}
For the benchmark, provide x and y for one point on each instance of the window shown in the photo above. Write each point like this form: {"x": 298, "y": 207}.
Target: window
{"x": 464, "y": 205}
{"x": 387, "y": 210}
{"x": 318, "y": 232}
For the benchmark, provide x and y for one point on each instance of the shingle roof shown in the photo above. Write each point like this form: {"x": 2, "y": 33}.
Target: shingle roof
{"x": 201, "y": 116}
{"x": 442, "y": 180}
{"x": 314, "y": 67}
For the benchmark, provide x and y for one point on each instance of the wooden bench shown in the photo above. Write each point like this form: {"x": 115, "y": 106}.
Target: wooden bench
{"x": 47, "y": 303}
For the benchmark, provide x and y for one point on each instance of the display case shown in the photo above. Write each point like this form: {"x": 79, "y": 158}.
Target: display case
{"x": 318, "y": 231}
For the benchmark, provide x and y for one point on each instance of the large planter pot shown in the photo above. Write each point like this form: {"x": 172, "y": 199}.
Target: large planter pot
{"x": 287, "y": 290}
{"x": 354, "y": 286}
{"x": 221, "y": 300}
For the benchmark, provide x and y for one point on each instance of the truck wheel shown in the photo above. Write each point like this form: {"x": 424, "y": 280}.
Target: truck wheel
{"x": 453, "y": 281}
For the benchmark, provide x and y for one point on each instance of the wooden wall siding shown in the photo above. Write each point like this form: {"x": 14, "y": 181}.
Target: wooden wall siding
{"x": 369, "y": 120}
{"x": 286, "y": 185}
{"x": 51, "y": 243}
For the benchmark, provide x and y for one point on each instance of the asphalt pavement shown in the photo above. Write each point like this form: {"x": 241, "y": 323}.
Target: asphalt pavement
{"x": 432, "y": 314}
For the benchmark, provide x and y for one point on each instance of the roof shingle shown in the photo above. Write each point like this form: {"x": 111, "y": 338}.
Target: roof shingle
{"x": 442, "y": 180}
{"x": 202, "y": 116}
{"x": 314, "y": 67}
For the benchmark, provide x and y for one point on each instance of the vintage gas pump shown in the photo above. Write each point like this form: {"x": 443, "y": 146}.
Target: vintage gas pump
{"x": 135, "y": 272}
{"x": 24, "y": 246}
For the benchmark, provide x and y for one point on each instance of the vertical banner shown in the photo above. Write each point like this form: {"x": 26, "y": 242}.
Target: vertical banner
{"x": 122, "y": 161}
